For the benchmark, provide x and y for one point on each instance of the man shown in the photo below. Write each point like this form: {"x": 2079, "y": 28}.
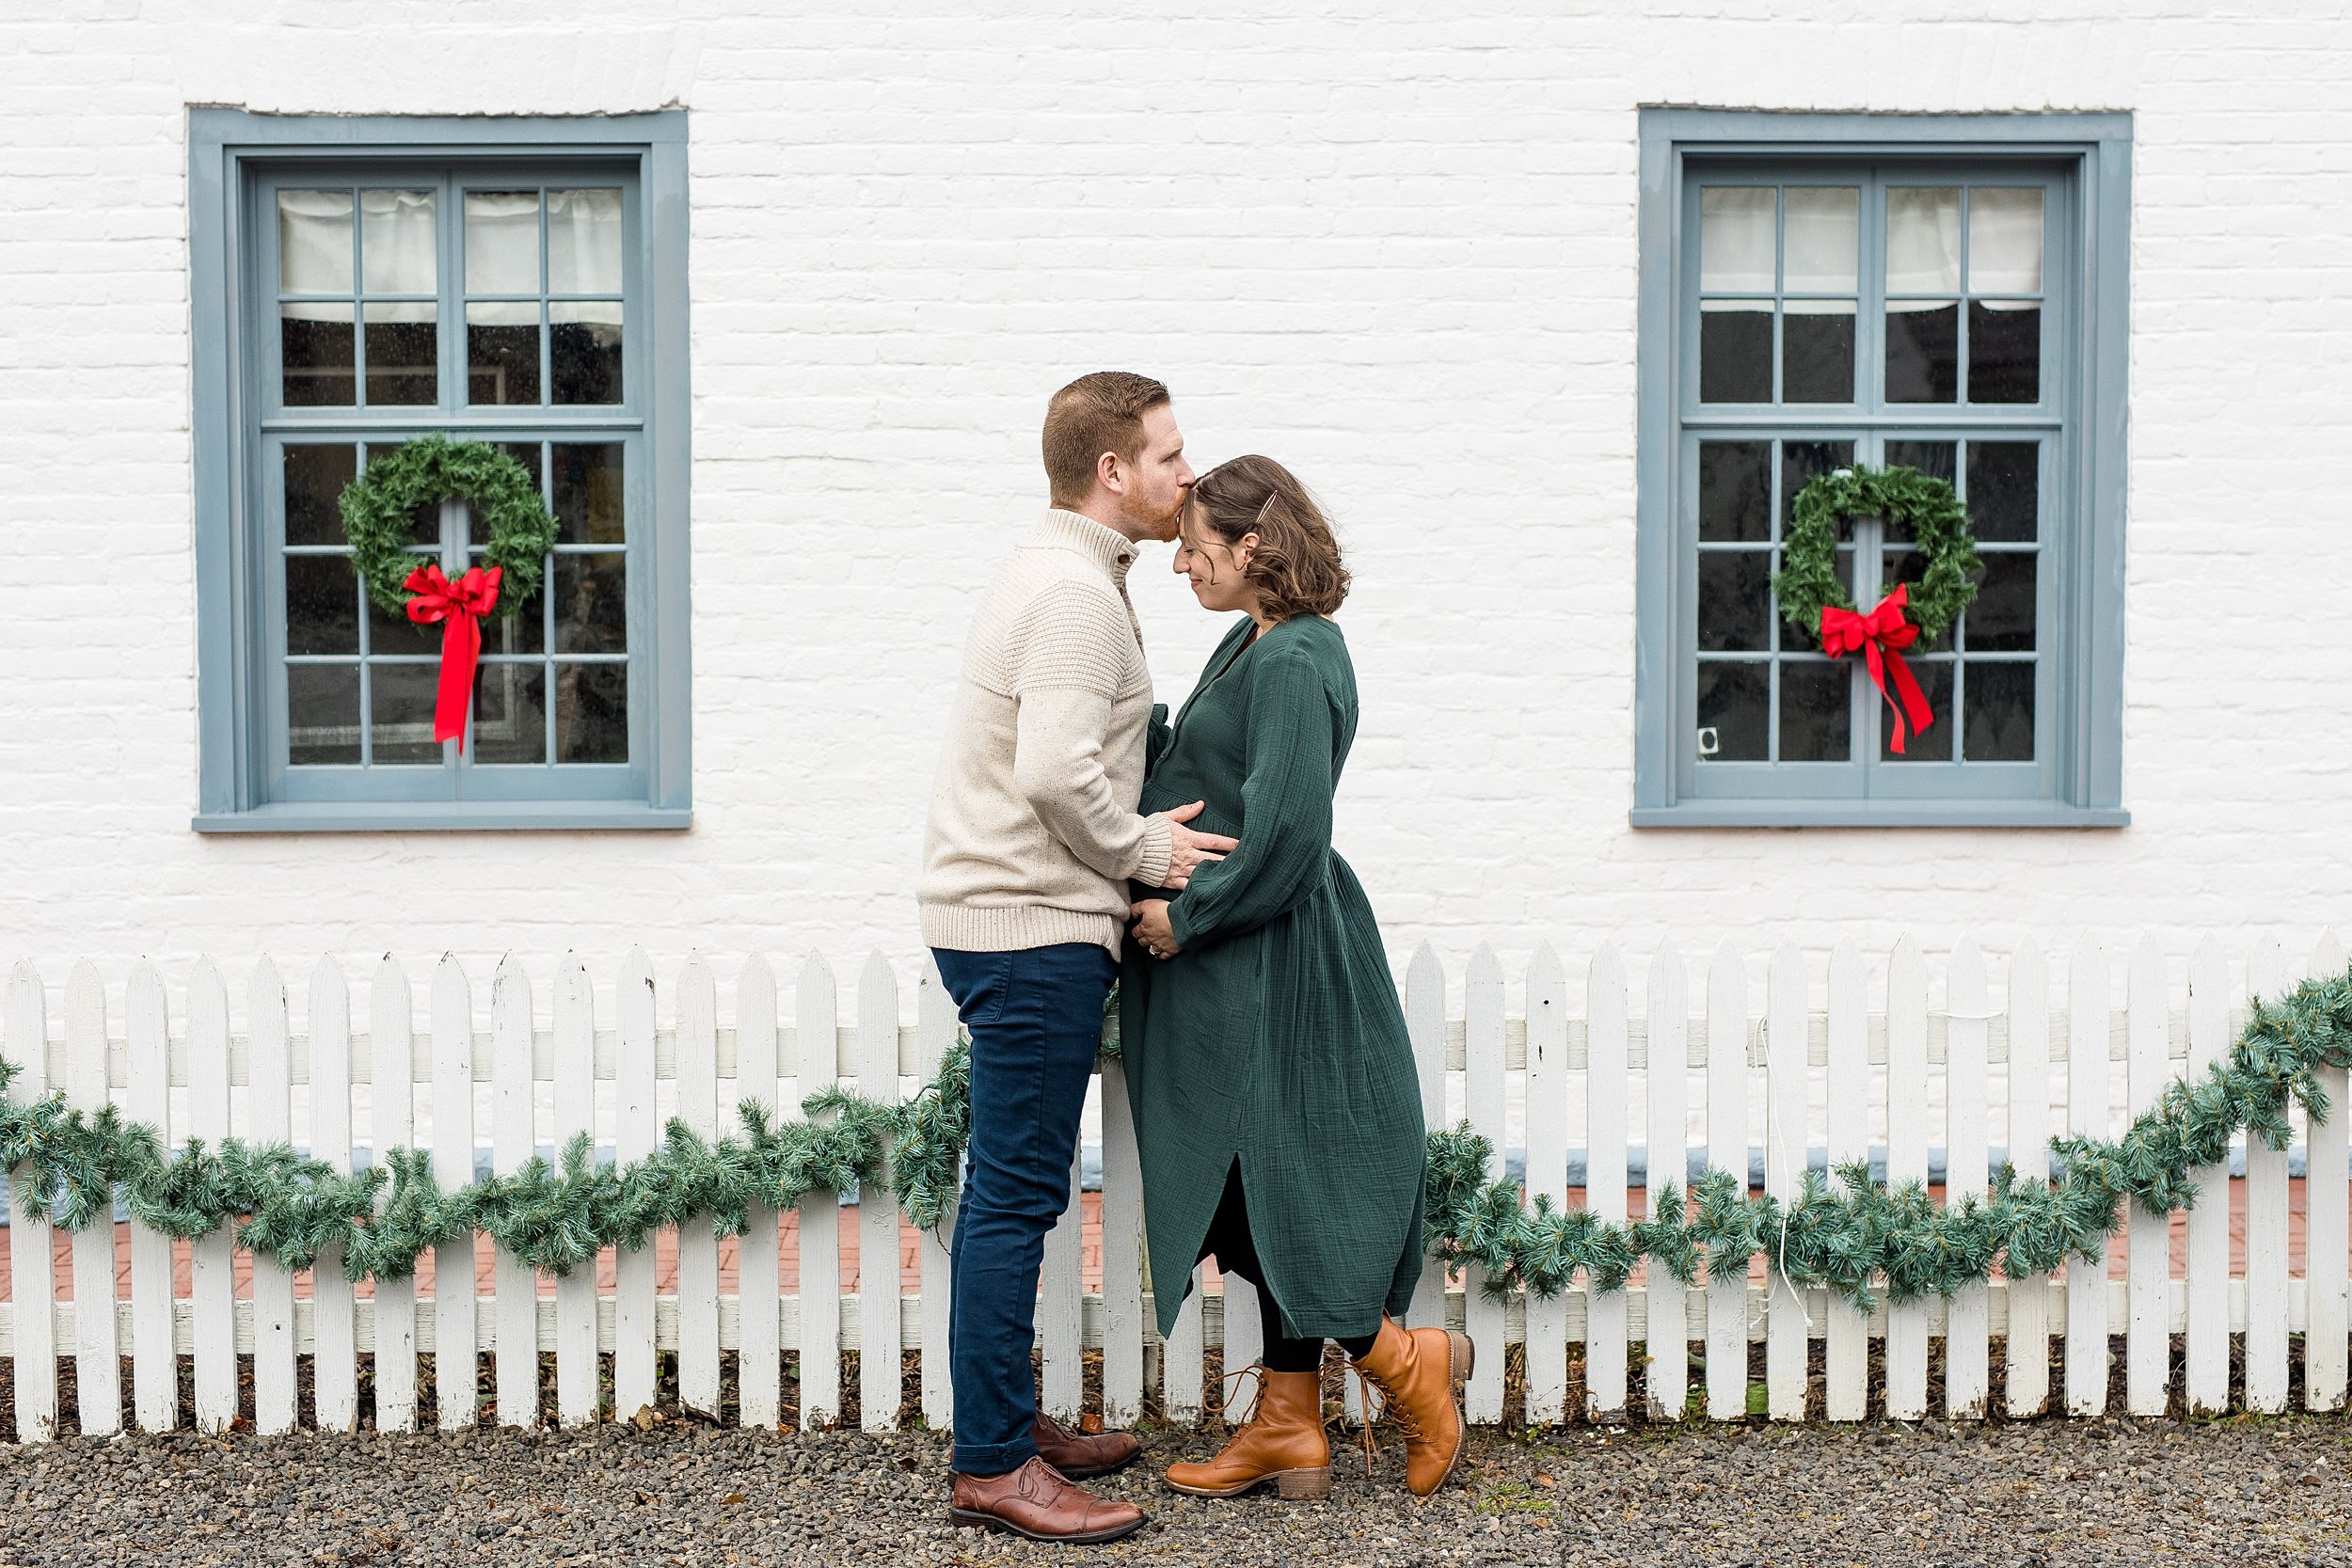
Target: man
{"x": 1033, "y": 838}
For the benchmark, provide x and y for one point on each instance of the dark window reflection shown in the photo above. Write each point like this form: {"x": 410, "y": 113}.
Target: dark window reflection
{"x": 592, "y": 712}
{"x": 588, "y": 493}
{"x": 1815, "y": 715}
{"x": 404, "y": 354}
{"x": 322, "y": 715}
{"x": 1934, "y": 743}
{"x": 590, "y": 603}
{"x": 1735, "y": 355}
{"x": 315, "y": 477}
{"x": 1922, "y": 352}
{"x": 401, "y": 699}
{"x": 510, "y": 714}
{"x": 2004, "y": 353}
{"x": 2004, "y": 489}
{"x": 392, "y": 632}
{"x": 1735, "y": 600}
{"x": 584, "y": 348}
{"x": 1997, "y": 726}
{"x": 1804, "y": 461}
{"x": 2001, "y": 617}
{"x": 1734, "y": 701}
{"x": 1817, "y": 357}
{"x": 502, "y": 352}
{"x": 317, "y": 363}
{"x": 322, "y": 605}
{"x": 524, "y": 630}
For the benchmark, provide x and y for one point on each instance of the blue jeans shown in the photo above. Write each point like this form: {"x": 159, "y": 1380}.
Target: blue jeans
{"x": 1036, "y": 1019}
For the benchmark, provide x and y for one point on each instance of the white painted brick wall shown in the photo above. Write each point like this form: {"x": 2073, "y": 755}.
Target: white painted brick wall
{"x": 1393, "y": 247}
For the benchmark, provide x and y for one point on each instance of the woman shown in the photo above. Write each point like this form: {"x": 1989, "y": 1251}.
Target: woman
{"x": 1276, "y": 1109}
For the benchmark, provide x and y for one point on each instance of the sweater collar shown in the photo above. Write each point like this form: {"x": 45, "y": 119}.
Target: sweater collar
{"x": 1074, "y": 530}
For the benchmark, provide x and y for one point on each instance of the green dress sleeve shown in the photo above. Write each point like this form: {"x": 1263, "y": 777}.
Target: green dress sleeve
{"x": 1286, "y": 807}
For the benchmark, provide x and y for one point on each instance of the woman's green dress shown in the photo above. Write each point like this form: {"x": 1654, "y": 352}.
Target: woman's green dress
{"x": 1275, "y": 1036}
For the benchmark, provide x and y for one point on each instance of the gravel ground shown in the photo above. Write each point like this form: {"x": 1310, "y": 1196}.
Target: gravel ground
{"x": 2239, "y": 1491}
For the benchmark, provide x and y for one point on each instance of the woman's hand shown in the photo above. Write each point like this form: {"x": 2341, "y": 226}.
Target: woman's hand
{"x": 1151, "y": 929}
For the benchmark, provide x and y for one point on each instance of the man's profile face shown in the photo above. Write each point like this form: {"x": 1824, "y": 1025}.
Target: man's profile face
{"x": 1154, "y": 499}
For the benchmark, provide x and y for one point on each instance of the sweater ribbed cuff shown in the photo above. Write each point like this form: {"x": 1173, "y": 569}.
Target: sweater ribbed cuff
{"x": 1159, "y": 849}
{"x": 1012, "y": 927}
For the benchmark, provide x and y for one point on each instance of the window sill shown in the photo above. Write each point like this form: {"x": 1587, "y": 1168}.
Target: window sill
{"x": 1878, "y": 814}
{"x": 474, "y": 816}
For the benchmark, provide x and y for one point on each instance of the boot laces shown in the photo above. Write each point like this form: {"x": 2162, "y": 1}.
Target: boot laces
{"x": 1391, "y": 1409}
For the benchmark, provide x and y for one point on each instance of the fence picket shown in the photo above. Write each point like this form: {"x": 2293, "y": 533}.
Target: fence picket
{"x": 1548, "y": 1178}
{"x": 2266, "y": 978}
{"x": 1846, "y": 1354}
{"x": 1786, "y": 1074}
{"x": 818, "y": 1016}
{"x": 1726, "y": 1096}
{"x": 1906, "y": 1161}
{"x": 878, "y": 1211}
{"x": 636, "y": 1129}
{"x": 1608, "y": 1112}
{"x": 213, "y": 1259}
{"x": 2026, "y": 1347}
{"x": 2087, "y": 1029}
{"x": 2325, "y": 1195}
{"x": 1182, "y": 1359}
{"x": 1424, "y": 1025}
{"x": 391, "y": 1069}
{"x": 577, "y": 1398}
{"x": 457, "y": 1340}
{"x": 32, "y": 1259}
{"x": 1968, "y": 1320}
{"x": 1245, "y": 1342}
{"x": 97, "y": 1365}
{"x": 759, "y": 1332}
{"x": 334, "y": 1307}
{"x": 2148, "y": 1255}
{"x": 147, "y": 1097}
{"x": 512, "y": 1142}
{"x": 1666, "y": 1305}
{"x": 1122, "y": 1246}
{"x": 697, "y": 1243}
{"x": 1482, "y": 1400}
{"x": 270, "y": 1079}
{"x": 936, "y": 1023}
{"x": 2206, "y": 1351}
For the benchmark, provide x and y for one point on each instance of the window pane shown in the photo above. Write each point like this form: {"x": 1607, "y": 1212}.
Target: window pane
{"x": 1909, "y": 566}
{"x": 315, "y": 477}
{"x": 316, "y": 358}
{"x": 398, "y": 250}
{"x": 523, "y": 632}
{"x": 314, "y": 243}
{"x": 1923, "y": 240}
{"x": 1816, "y": 717}
{"x": 584, "y": 347}
{"x": 501, "y": 242}
{"x": 1734, "y": 353}
{"x": 510, "y": 710}
{"x": 1734, "y": 700}
{"x": 588, "y": 493}
{"x": 1823, "y": 241}
{"x": 592, "y": 713}
{"x": 2004, "y": 351}
{"x": 2004, "y": 240}
{"x": 1735, "y": 600}
{"x": 1816, "y": 351}
{"x": 1802, "y": 462}
{"x": 1935, "y": 459}
{"x": 2004, "y": 486}
{"x": 590, "y": 603}
{"x": 322, "y": 715}
{"x": 322, "y": 605}
{"x": 1735, "y": 491}
{"x": 1934, "y": 743}
{"x": 584, "y": 242}
{"x": 389, "y": 632}
{"x": 1997, "y": 726}
{"x": 502, "y": 352}
{"x": 1735, "y": 239}
{"x": 2000, "y": 619}
{"x": 401, "y": 699}
{"x": 404, "y": 353}
{"x": 1922, "y": 352}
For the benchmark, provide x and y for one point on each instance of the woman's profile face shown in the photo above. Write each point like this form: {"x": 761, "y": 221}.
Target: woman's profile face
{"x": 1213, "y": 567}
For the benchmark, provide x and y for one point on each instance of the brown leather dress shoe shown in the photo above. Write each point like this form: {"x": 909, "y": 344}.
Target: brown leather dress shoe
{"x": 1282, "y": 1442}
{"x": 1420, "y": 1373}
{"x": 1036, "y": 1500}
{"x": 1083, "y": 1455}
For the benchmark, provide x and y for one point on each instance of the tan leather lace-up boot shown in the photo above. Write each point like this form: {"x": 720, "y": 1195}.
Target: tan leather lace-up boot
{"x": 1282, "y": 1442}
{"x": 1420, "y": 1373}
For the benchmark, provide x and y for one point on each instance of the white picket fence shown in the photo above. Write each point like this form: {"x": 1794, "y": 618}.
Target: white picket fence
{"x": 1841, "y": 1077}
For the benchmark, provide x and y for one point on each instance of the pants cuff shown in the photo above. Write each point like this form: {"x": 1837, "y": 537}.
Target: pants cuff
{"x": 992, "y": 1458}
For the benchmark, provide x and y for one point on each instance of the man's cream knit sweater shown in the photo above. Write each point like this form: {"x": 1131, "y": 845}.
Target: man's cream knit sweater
{"x": 1033, "y": 832}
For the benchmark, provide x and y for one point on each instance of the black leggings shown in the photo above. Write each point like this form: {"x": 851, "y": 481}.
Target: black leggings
{"x": 1229, "y": 1239}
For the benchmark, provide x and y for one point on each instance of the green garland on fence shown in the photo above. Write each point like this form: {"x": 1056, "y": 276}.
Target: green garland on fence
{"x": 557, "y": 1217}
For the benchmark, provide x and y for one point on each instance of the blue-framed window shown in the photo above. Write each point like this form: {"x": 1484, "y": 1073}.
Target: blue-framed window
{"x": 361, "y": 282}
{"x": 1944, "y": 292}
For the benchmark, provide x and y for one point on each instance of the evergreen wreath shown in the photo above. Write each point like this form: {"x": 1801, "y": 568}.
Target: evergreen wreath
{"x": 379, "y": 506}
{"x": 1807, "y": 581}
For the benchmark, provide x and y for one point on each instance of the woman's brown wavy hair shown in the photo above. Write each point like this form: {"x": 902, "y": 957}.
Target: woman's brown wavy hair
{"x": 1295, "y": 568}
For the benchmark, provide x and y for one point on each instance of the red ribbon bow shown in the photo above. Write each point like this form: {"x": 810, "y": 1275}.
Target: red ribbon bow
{"x": 1878, "y": 635}
{"x": 459, "y": 607}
